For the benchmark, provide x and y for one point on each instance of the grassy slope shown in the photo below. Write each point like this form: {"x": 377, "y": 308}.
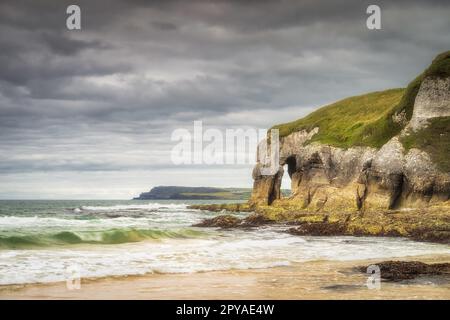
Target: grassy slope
{"x": 366, "y": 120}
{"x": 345, "y": 123}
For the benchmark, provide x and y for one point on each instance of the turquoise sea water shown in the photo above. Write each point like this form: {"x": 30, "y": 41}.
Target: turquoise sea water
{"x": 37, "y": 224}
{"x": 41, "y": 240}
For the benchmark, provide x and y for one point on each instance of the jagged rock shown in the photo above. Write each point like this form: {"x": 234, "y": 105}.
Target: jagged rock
{"x": 224, "y": 221}
{"x": 255, "y": 220}
{"x": 229, "y": 221}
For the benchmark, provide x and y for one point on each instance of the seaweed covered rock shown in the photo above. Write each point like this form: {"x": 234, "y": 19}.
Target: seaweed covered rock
{"x": 230, "y": 221}
{"x": 406, "y": 270}
{"x": 223, "y": 221}
{"x": 319, "y": 229}
{"x": 255, "y": 220}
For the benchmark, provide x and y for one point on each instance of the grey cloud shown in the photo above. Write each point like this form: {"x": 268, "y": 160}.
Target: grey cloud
{"x": 165, "y": 26}
{"x": 138, "y": 69}
{"x": 66, "y": 46}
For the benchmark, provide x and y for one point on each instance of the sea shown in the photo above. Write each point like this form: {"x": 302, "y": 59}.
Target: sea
{"x": 47, "y": 241}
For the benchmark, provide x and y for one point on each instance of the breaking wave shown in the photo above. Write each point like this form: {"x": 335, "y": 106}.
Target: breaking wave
{"x": 148, "y": 206}
{"x": 114, "y": 236}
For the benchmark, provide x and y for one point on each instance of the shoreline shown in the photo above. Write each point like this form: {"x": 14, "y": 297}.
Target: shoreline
{"x": 431, "y": 224}
{"x": 320, "y": 279}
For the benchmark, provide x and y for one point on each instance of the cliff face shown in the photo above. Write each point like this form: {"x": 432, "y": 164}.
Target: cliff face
{"x": 432, "y": 101}
{"x": 359, "y": 178}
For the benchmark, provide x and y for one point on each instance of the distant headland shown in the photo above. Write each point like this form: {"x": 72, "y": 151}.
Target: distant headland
{"x": 195, "y": 193}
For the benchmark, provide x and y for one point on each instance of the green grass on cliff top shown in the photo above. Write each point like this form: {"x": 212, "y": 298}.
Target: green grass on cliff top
{"x": 347, "y": 122}
{"x": 366, "y": 120}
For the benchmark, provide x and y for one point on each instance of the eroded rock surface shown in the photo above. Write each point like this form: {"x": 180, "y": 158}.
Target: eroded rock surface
{"x": 325, "y": 178}
{"x": 432, "y": 101}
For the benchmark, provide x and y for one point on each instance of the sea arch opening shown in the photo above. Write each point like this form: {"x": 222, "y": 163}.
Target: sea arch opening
{"x": 290, "y": 167}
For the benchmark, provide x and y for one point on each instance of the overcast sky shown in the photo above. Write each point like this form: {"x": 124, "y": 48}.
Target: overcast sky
{"x": 89, "y": 113}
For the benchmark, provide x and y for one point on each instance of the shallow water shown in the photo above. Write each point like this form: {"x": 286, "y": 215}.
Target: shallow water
{"x": 43, "y": 241}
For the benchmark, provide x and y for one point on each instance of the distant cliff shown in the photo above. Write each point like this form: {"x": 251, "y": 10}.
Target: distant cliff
{"x": 379, "y": 151}
{"x": 199, "y": 193}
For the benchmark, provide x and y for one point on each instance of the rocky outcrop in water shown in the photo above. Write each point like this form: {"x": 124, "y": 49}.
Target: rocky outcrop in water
{"x": 223, "y": 221}
{"x": 407, "y": 270}
{"x": 327, "y": 178}
{"x": 228, "y": 221}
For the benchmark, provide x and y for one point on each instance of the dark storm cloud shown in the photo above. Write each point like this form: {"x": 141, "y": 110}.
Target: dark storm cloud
{"x": 59, "y": 44}
{"x": 165, "y": 26}
{"x": 139, "y": 69}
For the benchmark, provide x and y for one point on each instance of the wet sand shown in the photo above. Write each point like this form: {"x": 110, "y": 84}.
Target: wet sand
{"x": 308, "y": 280}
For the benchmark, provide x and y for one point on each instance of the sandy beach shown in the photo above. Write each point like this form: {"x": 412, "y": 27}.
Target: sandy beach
{"x": 309, "y": 280}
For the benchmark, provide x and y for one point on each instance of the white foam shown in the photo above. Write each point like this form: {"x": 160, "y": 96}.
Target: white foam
{"x": 148, "y": 206}
{"x": 101, "y": 220}
{"x": 223, "y": 251}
